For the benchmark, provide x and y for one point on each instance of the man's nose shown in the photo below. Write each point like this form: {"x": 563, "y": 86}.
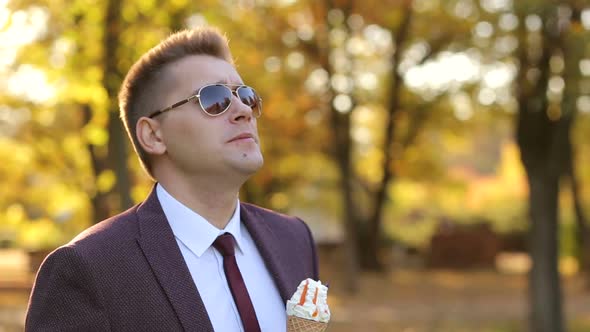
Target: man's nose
{"x": 240, "y": 111}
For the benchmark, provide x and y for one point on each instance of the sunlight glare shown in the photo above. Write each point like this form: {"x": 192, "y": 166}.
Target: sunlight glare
{"x": 342, "y": 103}
{"x": 317, "y": 81}
{"x": 533, "y": 23}
{"x": 342, "y": 84}
{"x": 463, "y": 67}
{"x": 508, "y": 22}
{"x": 355, "y": 21}
{"x": 504, "y": 95}
{"x": 494, "y": 6}
{"x": 361, "y": 135}
{"x": 30, "y": 83}
{"x": 338, "y": 37}
{"x": 413, "y": 55}
{"x": 506, "y": 44}
{"x": 356, "y": 46}
{"x": 11, "y": 119}
{"x": 557, "y": 64}
{"x": 462, "y": 107}
{"x": 285, "y": 3}
{"x": 340, "y": 61}
{"x": 195, "y": 21}
{"x": 26, "y": 27}
{"x": 484, "y": 29}
{"x": 295, "y": 60}
{"x": 498, "y": 75}
{"x": 4, "y": 16}
{"x": 586, "y": 18}
{"x": 464, "y": 9}
{"x": 585, "y": 67}
{"x": 363, "y": 116}
{"x": 335, "y": 17}
{"x": 556, "y": 84}
{"x": 446, "y": 69}
{"x": 379, "y": 37}
{"x": 7, "y": 57}
{"x": 305, "y": 32}
{"x": 583, "y": 104}
{"x": 246, "y": 4}
{"x": 486, "y": 96}
{"x": 59, "y": 51}
{"x": 367, "y": 80}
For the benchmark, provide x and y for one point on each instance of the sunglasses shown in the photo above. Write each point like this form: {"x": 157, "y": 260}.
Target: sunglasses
{"x": 215, "y": 99}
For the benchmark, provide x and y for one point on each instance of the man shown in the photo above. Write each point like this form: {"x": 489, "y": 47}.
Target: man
{"x": 161, "y": 265}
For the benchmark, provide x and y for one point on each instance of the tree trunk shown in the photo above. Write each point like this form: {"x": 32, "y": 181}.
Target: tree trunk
{"x": 545, "y": 294}
{"x": 370, "y": 257}
{"x": 343, "y": 154}
{"x": 570, "y": 47}
{"x": 100, "y": 208}
{"x": 342, "y": 151}
{"x": 117, "y": 146}
{"x": 541, "y": 141}
{"x": 583, "y": 231}
{"x": 118, "y": 159}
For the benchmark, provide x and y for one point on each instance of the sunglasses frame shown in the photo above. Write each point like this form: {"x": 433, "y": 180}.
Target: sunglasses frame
{"x": 233, "y": 88}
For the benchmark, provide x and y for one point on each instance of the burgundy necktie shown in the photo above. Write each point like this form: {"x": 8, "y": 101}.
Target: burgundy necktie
{"x": 225, "y": 245}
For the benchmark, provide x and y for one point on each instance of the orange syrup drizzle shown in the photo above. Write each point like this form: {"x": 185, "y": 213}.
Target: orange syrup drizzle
{"x": 315, "y": 298}
{"x": 304, "y": 293}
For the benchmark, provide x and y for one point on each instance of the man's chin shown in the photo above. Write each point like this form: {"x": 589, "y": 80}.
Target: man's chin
{"x": 254, "y": 167}
{"x": 250, "y": 166}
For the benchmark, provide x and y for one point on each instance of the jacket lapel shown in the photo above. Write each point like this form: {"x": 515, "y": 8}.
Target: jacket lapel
{"x": 161, "y": 250}
{"x": 268, "y": 246}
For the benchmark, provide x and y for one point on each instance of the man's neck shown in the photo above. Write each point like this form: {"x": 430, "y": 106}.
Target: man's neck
{"x": 213, "y": 202}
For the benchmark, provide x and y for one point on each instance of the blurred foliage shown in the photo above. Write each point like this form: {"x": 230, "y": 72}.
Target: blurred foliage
{"x": 462, "y": 164}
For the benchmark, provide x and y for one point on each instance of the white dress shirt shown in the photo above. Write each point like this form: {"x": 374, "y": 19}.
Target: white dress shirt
{"x": 195, "y": 237}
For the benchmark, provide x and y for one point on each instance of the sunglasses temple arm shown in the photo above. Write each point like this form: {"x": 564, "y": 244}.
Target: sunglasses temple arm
{"x": 178, "y": 104}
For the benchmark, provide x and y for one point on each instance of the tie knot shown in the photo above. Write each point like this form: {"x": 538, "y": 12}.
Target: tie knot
{"x": 225, "y": 244}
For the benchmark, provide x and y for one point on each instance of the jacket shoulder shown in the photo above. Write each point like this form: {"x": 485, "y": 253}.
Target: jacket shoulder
{"x": 269, "y": 215}
{"x": 293, "y": 233}
{"x": 275, "y": 220}
{"x": 109, "y": 232}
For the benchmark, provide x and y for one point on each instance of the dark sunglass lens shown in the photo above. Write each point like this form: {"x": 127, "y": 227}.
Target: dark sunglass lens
{"x": 248, "y": 96}
{"x": 215, "y": 99}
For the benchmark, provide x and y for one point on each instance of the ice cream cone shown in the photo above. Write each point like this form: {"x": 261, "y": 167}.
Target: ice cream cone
{"x": 298, "y": 324}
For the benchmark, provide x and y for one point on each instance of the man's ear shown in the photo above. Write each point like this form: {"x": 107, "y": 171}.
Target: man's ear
{"x": 149, "y": 136}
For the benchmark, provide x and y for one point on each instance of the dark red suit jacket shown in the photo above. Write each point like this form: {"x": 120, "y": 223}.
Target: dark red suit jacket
{"x": 128, "y": 274}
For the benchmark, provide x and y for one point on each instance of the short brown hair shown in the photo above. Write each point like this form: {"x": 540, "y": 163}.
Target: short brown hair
{"x": 136, "y": 98}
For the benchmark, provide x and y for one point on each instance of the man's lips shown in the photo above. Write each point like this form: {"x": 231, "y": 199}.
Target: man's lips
{"x": 243, "y": 136}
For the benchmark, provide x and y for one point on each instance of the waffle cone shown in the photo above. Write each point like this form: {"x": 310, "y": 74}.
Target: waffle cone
{"x": 298, "y": 324}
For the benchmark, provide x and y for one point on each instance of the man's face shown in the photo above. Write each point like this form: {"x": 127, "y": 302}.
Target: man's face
{"x": 198, "y": 144}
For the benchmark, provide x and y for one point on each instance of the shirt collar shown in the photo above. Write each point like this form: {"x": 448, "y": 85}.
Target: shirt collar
{"x": 192, "y": 229}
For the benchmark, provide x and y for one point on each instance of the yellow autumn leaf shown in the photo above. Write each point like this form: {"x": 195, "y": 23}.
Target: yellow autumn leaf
{"x": 105, "y": 181}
